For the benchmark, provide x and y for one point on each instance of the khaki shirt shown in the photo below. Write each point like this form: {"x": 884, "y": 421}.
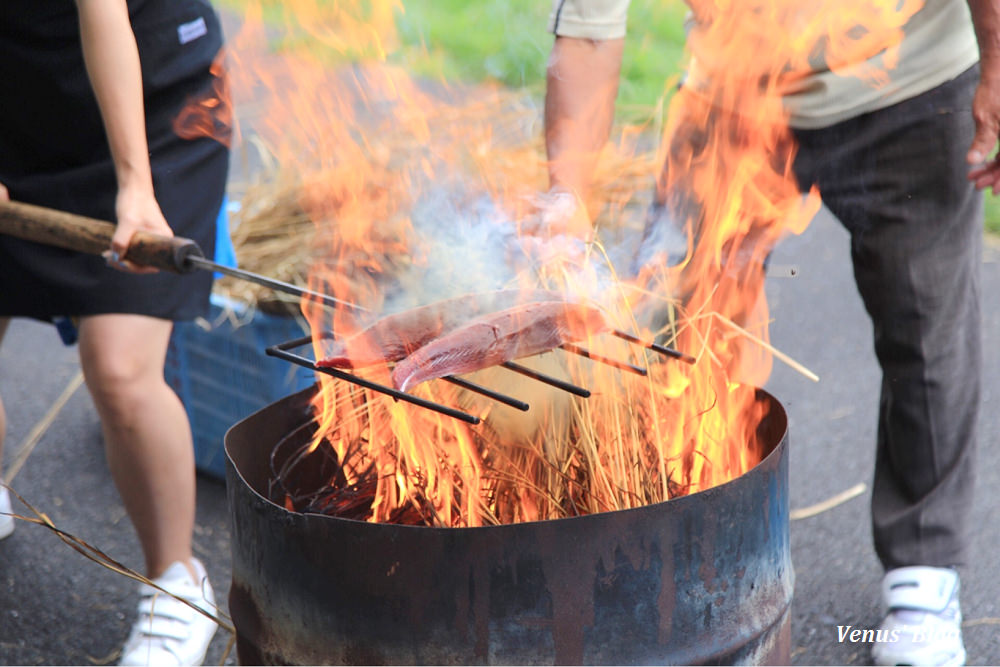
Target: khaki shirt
{"x": 938, "y": 44}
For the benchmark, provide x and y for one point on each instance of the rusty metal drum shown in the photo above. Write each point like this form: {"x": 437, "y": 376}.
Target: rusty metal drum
{"x": 701, "y": 579}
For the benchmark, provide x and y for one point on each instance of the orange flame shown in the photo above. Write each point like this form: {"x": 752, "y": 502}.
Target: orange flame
{"x": 419, "y": 191}
{"x": 209, "y": 114}
{"x": 728, "y": 172}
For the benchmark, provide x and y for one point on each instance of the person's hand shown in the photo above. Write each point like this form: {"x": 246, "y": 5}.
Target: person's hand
{"x": 136, "y": 210}
{"x": 985, "y": 171}
{"x": 558, "y": 212}
{"x": 555, "y": 231}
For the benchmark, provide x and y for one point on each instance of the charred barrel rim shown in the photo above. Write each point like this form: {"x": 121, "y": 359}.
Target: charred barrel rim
{"x": 704, "y": 578}
{"x": 772, "y": 432}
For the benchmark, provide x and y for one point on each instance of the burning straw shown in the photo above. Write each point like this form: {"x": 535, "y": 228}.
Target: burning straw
{"x": 494, "y": 474}
{"x": 418, "y": 192}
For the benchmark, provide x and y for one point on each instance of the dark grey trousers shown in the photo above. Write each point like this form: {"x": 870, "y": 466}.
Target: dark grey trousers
{"x": 896, "y": 180}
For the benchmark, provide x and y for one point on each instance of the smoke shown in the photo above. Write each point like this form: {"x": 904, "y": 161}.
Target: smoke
{"x": 457, "y": 248}
{"x": 468, "y": 242}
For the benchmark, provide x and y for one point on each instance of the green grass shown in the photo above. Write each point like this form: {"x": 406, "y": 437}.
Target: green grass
{"x": 507, "y": 41}
{"x": 464, "y": 41}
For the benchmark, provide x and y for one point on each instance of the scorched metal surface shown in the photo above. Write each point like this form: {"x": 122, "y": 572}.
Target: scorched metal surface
{"x": 705, "y": 578}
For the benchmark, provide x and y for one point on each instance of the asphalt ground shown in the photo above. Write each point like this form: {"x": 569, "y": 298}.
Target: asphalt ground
{"x": 819, "y": 320}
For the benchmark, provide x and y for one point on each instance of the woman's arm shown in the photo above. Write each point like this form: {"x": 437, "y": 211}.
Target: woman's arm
{"x": 112, "y": 59}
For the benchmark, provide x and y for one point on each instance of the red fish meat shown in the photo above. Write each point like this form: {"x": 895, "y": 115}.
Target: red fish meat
{"x": 521, "y": 331}
{"x": 393, "y": 337}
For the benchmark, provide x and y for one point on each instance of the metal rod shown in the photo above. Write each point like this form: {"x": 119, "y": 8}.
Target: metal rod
{"x": 279, "y": 285}
{"x": 170, "y": 253}
{"x": 621, "y": 365}
{"x": 489, "y": 393}
{"x": 547, "y": 379}
{"x": 292, "y": 344}
{"x": 660, "y": 349}
{"x": 277, "y": 351}
{"x": 459, "y": 382}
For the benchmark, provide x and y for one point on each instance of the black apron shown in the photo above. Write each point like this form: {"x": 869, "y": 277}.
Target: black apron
{"x": 54, "y": 152}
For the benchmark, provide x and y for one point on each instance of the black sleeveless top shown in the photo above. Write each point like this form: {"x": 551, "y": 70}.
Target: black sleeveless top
{"x": 54, "y": 152}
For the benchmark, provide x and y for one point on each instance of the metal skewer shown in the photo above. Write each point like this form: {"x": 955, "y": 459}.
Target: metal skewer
{"x": 282, "y": 352}
{"x": 458, "y": 382}
{"x": 621, "y": 365}
{"x": 547, "y": 379}
{"x": 199, "y": 262}
{"x": 489, "y": 393}
{"x": 660, "y": 349}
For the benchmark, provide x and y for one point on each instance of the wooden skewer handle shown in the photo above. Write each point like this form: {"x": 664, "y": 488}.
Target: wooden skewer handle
{"x": 92, "y": 236}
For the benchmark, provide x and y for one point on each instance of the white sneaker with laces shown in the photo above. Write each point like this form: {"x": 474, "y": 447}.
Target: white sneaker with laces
{"x": 169, "y": 632}
{"x": 6, "y": 520}
{"x": 923, "y": 625}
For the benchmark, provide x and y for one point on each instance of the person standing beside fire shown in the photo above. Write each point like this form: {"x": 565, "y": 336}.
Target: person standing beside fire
{"x": 893, "y": 164}
{"x": 93, "y": 88}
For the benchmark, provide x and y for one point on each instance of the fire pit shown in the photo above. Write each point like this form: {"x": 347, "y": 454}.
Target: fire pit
{"x": 703, "y": 578}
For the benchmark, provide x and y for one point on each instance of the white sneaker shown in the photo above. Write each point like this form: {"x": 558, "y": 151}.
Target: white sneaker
{"x": 923, "y": 625}
{"x": 168, "y": 632}
{"x": 6, "y": 520}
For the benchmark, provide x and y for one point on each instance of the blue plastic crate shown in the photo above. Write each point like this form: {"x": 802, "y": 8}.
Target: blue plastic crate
{"x": 220, "y": 371}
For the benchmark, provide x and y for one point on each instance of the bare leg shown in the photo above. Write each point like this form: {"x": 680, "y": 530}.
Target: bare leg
{"x": 4, "y": 321}
{"x": 146, "y": 431}
{"x": 6, "y": 522}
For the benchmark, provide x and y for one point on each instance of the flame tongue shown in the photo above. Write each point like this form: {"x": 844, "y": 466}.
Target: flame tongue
{"x": 417, "y": 198}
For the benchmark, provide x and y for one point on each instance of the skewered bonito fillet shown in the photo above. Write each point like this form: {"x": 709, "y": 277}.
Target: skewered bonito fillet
{"x": 393, "y": 337}
{"x": 521, "y": 331}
